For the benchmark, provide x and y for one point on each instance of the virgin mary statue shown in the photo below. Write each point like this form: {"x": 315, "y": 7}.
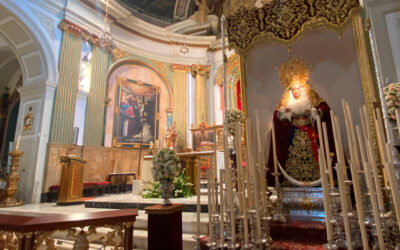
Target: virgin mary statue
{"x": 297, "y": 138}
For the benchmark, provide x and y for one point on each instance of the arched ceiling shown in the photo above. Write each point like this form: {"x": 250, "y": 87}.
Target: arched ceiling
{"x": 166, "y": 12}
{"x": 9, "y": 66}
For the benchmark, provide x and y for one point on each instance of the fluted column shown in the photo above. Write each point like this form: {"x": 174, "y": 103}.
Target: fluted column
{"x": 179, "y": 111}
{"x": 64, "y": 104}
{"x": 201, "y": 73}
{"x": 94, "y": 121}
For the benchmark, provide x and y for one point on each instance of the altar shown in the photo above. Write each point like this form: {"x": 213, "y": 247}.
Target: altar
{"x": 190, "y": 162}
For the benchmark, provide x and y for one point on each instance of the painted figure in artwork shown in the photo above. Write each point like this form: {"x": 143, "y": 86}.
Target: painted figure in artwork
{"x": 297, "y": 138}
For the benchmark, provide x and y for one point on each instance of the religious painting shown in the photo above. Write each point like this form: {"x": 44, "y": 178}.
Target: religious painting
{"x": 137, "y": 114}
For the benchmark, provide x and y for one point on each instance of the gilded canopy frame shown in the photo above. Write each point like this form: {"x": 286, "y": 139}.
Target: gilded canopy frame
{"x": 283, "y": 22}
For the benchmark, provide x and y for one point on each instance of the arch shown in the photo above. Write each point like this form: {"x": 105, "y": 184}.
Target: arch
{"x": 31, "y": 44}
{"x": 141, "y": 63}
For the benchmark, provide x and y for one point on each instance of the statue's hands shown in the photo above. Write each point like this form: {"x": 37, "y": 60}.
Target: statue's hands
{"x": 285, "y": 113}
{"x": 288, "y": 109}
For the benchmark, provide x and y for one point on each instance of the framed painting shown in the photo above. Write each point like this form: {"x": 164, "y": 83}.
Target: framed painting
{"x": 137, "y": 113}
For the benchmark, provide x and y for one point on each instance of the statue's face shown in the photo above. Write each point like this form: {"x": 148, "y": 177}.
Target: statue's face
{"x": 296, "y": 91}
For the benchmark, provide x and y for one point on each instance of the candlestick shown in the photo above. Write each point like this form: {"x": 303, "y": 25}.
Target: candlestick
{"x": 231, "y": 206}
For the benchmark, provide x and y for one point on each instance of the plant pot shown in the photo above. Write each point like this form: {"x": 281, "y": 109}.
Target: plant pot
{"x": 166, "y": 189}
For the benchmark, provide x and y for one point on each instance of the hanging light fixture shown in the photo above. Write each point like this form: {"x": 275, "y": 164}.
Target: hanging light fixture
{"x": 105, "y": 39}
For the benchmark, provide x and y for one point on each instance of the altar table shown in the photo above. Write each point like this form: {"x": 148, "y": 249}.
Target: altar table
{"x": 125, "y": 175}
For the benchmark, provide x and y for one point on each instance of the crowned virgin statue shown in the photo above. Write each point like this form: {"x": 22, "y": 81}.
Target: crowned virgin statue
{"x": 297, "y": 138}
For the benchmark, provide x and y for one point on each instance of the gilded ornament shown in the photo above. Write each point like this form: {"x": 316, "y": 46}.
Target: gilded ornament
{"x": 28, "y": 120}
{"x": 119, "y": 53}
{"x": 283, "y": 21}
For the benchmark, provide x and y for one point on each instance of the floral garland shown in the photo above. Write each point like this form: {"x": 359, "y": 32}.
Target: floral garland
{"x": 165, "y": 165}
{"x": 234, "y": 115}
{"x": 392, "y": 98}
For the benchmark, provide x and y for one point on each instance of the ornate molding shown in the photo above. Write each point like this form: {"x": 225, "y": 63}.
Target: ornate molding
{"x": 283, "y": 21}
{"x": 233, "y": 66}
{"x": 47, "y": 22}
{"x": 68, "y": 26}
{"x": 119, "y": 53}
{"x": 181, "y": 67}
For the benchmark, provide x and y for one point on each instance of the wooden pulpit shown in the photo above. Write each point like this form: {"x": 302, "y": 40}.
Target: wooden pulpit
{"x": 71, "y": 182}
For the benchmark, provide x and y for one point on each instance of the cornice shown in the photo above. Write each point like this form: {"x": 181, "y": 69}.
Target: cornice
{"x": 181, "y": 67}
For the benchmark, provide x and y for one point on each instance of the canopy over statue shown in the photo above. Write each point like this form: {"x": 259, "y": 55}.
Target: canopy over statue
{"x": 294, "y": 119}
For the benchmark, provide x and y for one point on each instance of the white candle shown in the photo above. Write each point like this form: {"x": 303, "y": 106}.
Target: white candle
{"x": 397, "y": 112}
{"x": 238, "y": 150}
{"x": 17, "y": 144}
{"x": 210, "y": 222}
{"x": 274, "y": 153}
{"x": 359, "y": 204}
{"x": 327, "y": 202}
{"x": 371, "y": 189}
{"x": 198, "y": 198}
{"x": 345, "y": 208}
{"x": 328, "y": 157}
{"x": 263, "y": 184}
{"x": 231, "y": 205}
{"x": 222, "y": 206}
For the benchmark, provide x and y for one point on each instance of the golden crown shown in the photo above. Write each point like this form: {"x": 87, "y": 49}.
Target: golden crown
{"x": 293, "y": 71}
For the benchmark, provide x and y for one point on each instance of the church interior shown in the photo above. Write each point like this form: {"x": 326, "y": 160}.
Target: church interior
{"x": 199, "y": 124}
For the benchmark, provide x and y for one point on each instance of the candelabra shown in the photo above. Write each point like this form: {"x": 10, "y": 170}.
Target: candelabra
{"x": 12, "y": 182}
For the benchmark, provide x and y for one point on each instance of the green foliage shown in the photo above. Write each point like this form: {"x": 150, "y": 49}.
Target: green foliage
{"x": 182, "y": 188}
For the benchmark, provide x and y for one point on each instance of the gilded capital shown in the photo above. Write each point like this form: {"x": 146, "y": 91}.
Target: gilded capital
{"x": 203, "y": 70}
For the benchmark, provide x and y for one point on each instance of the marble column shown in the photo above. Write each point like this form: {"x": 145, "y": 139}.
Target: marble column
{"x": 179, "y": 110}
{"x": 62, "y": 126}
{"x": 94, "y": 122}
{"x": 201, "y": 73}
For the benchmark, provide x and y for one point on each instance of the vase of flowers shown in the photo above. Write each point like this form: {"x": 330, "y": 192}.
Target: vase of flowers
{"x": 166, "y": 167}
{"x": 392, "y": 98}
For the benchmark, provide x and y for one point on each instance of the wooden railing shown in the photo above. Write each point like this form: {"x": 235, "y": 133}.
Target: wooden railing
{"x": 32, "y": 232}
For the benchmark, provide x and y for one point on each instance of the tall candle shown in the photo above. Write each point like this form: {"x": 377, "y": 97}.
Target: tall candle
{"x": 222, "y": 207}
{"x": 231, "y": 205}
{"x": 345, "y": 208}
{"x": 382, "y": 143}
{"x": 274, "y": 153}
{"x": 17, "y": 144}
{"x": 262, "y": 190}
{"x": 327, "y": 153}
{"x": 210, "y": 221}
{"x": 359, "y": 204}
{"x": 327, "y": 202}
{"x": 371, "y": 189}
{"x": 238, "y": 150}
{"x": 198, "y": 208}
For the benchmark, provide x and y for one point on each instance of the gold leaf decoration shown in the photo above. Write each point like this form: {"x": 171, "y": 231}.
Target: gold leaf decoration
{"x": 284, "y": 20}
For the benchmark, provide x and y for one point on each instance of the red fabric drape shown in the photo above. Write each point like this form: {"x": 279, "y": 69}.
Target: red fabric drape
{"x": 238, "y": 96}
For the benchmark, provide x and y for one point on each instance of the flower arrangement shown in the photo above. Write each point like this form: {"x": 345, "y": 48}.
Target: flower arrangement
{"x": 182, "y": 188}
{"x": 392, "y": 98}
{"x": 166, "y": 165}
{"x": 234, "y": 115}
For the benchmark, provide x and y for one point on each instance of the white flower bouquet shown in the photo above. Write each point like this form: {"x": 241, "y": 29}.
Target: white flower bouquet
{"x": 234, "y": 115}
{"x": 166, "y": 165}
{"x": 392, "y": 98}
